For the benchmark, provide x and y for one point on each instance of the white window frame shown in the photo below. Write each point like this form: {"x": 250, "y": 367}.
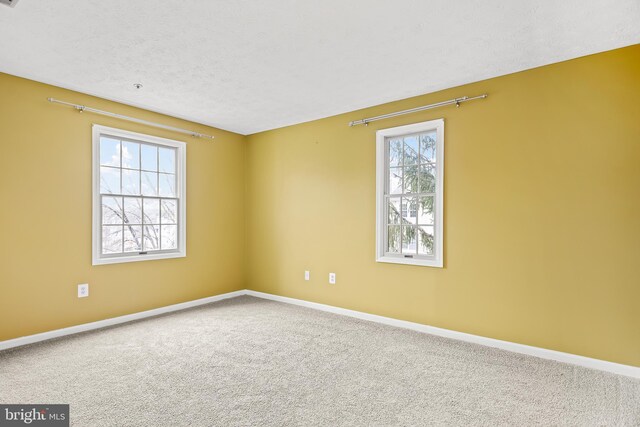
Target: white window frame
{"x": 181, "y": 194}
{"x": 382, "y": 171}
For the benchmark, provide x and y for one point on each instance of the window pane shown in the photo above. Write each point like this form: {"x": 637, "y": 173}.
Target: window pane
{"x": 410, "y": 150}
{"x": 133, "y": 238}
{"x": 149, "y": 184}
{"x": 395, "y": 152}
{"x": 149, "y": 155}
{"x": 169, "y": 212}
{"x": 109, "y": 180}
{"x": 112, "y": 210}
{"x": 393, "y": 239}
{"x": 425, "y": 240}
{"x": 169, "y": 237}
{"x": 132, "y": 210}
{"x": 395, "y": 180}
{"x": 109, "y": 151}
{"x": 130, "y": 155}
{"x": 411, "y": 179}
{"x": 151, "y": 241}
{"x": 425, "y": 210}
{"x": 151, "y": 211}
{"x": 167, "y": 185}
{"x": 393, "y": 210}
{"x": 408, "y": 240}
{"x": 111, "y": 239}
{"x": 167, "y": 160}
{"x": 131, "y": 182}
{"x": 427, "y": 179}
{"x": 428, "y": 147}
{"x": 409, "y": 210}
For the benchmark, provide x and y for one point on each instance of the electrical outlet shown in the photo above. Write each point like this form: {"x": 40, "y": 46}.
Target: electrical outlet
{"x": 83, "y": 290}
{"x": 332, "y": 278}
{"x": 306, "y": 275}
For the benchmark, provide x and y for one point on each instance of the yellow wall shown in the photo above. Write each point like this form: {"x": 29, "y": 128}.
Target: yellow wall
{"x": 45, "y": 216}
{"x": 542, "y": 211}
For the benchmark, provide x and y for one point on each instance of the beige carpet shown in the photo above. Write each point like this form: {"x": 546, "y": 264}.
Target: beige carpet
{"x": 251, "y": 362}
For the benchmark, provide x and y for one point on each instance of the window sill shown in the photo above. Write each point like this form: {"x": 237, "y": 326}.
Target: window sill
{"x": 136, "y": 258}
{"x": 411, "y": 261}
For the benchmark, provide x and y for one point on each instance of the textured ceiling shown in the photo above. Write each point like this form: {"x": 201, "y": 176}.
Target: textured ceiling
{"x": 248, "y": 66}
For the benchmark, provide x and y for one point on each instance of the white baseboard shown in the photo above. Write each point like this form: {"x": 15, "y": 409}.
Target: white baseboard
{"x": 587, "y": 362}
{"x": 30, "y": 339}
{"x": 543, "y": 353}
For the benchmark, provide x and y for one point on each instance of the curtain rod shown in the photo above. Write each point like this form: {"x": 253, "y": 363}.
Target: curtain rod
{"x": 456, "y": 101}
{"x": 82, "y": 108}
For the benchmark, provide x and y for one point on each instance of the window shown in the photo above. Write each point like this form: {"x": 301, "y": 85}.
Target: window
{"x": 410, "y": 171}
{"x": 139, "y": 200}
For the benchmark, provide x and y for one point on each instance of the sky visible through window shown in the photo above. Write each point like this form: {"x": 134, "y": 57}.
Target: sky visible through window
{"x": 139, "y": 205}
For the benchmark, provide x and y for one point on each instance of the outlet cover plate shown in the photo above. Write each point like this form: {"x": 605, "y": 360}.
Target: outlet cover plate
{"x": 83, "y": 290}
